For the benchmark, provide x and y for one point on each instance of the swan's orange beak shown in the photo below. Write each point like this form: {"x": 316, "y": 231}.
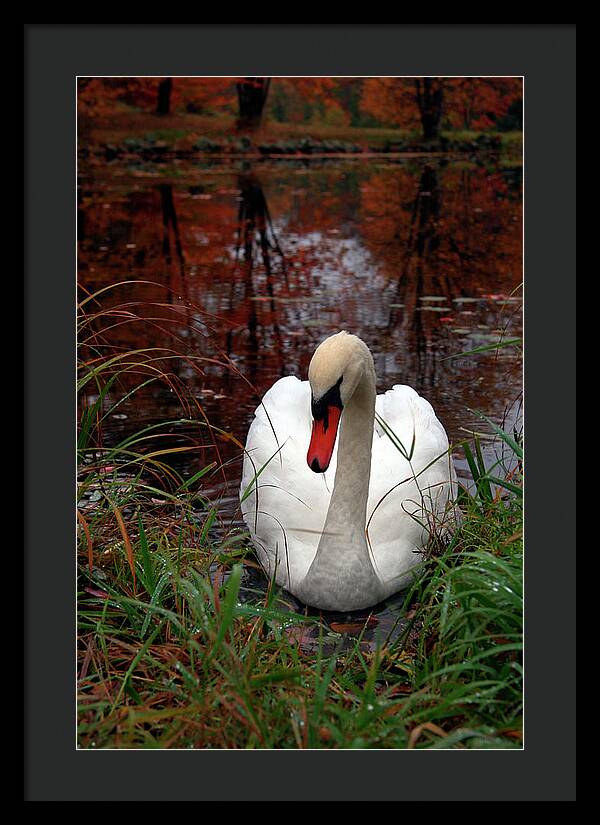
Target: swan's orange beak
{"x": 322, "y": 440}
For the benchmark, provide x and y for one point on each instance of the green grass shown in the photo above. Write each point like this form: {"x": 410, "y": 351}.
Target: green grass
{"x": 175, "y": 652}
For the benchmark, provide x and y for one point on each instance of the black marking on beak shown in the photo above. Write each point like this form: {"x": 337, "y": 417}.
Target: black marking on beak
{"x": 331, "y": 398}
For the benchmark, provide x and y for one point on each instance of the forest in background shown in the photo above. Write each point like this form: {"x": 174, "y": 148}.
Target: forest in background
{"x": 425, "y": 108}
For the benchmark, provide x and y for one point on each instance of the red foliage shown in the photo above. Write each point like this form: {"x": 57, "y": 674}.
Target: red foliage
{"x": 469, "y": 102}
{"x": 476, "y": 102}
{"x": 99, "y": 95}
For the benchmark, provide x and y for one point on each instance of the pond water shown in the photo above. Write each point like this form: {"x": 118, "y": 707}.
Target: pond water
{"x": 253, "y": 263}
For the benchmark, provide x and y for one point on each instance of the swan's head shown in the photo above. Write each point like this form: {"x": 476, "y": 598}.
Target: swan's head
{"x": 335, "y": 370}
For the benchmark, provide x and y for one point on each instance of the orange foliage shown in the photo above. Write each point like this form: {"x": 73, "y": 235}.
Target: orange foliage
{"x": 469, "y": 102}
{"x": 98, "y": 96}
{"x": 321, "y": 90}
{"x": 475, "y": 102}
{"x": 392, "y": 100}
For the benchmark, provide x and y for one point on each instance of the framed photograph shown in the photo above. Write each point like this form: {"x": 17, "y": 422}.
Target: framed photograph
{"x": 288, "y": 373}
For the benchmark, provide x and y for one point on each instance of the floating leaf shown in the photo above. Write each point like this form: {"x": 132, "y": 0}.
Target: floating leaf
{"x": 353, "y": 627}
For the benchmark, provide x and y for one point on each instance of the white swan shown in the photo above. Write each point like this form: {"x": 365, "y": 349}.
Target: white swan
{"x": 307, "y": 512}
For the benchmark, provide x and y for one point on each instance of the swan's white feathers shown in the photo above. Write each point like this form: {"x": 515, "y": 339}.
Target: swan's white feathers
{"x": 287, "y": 520}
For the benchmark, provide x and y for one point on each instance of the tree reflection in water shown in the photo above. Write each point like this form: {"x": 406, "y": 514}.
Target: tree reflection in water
{"x": 255, "y": 235}
{"x": 258, "y": 264}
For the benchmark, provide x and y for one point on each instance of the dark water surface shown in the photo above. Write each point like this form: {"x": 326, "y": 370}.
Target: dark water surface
{"x": 253, "y": 264}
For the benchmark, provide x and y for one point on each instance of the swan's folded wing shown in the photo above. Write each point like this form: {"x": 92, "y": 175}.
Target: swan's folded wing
{"x": 410, "y": 481}
{"x": 413, "y": 422}
{"x": 283, "y": 502}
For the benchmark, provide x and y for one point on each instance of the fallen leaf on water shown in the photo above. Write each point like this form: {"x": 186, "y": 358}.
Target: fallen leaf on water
{"x": 353, "y": 627}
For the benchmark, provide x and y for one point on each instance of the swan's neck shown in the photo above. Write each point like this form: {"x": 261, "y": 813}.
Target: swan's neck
{"x": 348, "y": 505}
{"x": 341, "y": 575}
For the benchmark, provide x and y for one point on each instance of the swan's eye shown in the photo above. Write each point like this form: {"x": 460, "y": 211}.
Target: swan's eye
{"x": 332, "y": 398}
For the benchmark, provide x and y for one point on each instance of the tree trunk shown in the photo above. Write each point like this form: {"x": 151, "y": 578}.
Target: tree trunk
{"x": 163, "y": 103}
{"x": 252, "y": 96}
{"x": 430, "y": 99}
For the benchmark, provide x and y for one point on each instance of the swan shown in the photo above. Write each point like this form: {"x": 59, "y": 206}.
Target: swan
{"x": 341, "y": 523}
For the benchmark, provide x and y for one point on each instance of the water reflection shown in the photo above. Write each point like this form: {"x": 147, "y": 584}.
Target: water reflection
{"x": 256, "y": 237}
{"x": 252, "y": 267}
{"x": 171, "y": 233}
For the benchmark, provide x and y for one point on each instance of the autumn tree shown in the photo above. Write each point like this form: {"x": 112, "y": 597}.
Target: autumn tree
{"x": 300, "y": 99}
{"x": 479, "y": 102}
{"x": 252, "y": 95}
{"x": 429, "y": 92}
{"x": 429, "y": 102}
{"x": 406, "y": 102}
{"x": 292, "y": 98}
{"x": 98, "y": 96}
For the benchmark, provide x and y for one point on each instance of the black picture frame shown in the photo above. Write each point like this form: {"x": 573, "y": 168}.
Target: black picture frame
{"x": 54, "y": 54}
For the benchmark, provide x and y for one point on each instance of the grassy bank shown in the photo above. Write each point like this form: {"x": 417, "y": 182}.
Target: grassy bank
{"x": 176, "y": 650}
{"x": 127, "y": 131}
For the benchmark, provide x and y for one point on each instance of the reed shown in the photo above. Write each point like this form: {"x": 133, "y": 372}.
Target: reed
{"x": 177, "y": 650}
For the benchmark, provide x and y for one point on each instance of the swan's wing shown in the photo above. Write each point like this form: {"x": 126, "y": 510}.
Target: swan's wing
{"x": 407, "y": 498}
{"x": 284, "y": 503}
